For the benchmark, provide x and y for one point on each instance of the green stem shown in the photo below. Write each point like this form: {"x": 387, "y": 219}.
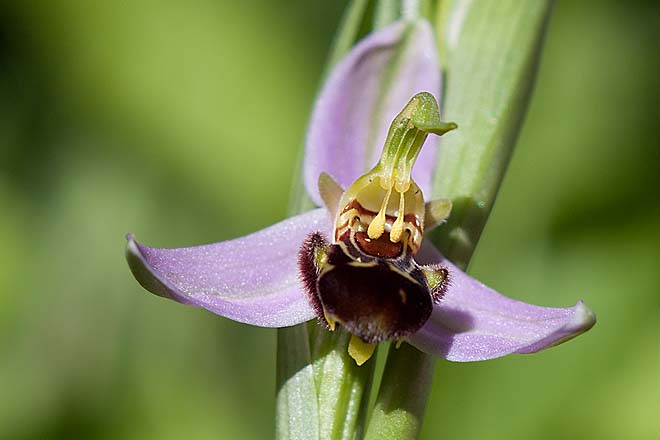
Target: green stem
{"x": 386, "y": 12}
{"x": 348, "y": 32}
{"x": 403, "y": 395}
{"x": 410, "y": 9}
{"x": 342, "y": 387}
{"x": 297, "y": 415}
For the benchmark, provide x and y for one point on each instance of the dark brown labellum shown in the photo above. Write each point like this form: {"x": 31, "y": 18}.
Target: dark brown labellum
{"x": 374, "y": 298}
{"x": 376, "y": 301}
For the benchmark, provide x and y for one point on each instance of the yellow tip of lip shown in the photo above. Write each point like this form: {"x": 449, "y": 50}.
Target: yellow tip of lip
{"x": 359, "y": 350}
{"x": 330, "y": 320}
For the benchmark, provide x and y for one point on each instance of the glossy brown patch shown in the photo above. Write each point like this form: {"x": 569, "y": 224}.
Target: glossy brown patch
{"x": 381, "y": 247}
{"x": 354, "y": 204}
{"x": 413, "y": 220}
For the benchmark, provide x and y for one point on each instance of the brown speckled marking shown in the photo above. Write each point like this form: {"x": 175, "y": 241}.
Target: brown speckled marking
{"x": 382, "y": 247}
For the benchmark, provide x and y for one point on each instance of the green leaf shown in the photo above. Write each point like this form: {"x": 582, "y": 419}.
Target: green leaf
{"x": 491, "y": 51}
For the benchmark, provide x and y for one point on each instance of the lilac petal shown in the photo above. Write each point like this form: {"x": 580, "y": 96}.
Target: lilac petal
{"x": 251, "y": 279}
{"x": 361, "y": 97}
{"x": 473, "y": 322}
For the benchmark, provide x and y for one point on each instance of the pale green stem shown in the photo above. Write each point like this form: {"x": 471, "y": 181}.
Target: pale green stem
{"x": 348, "y": 32}
{"x": 386, "y": 12}
{"x": 342, "y": 387}
{"x": 402, "y": 396}
{"x": 410, "y": 9}
{"x": 297, "y": 414}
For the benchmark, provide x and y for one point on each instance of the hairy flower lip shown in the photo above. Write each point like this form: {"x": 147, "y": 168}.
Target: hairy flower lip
{"x": 376, "y": 299}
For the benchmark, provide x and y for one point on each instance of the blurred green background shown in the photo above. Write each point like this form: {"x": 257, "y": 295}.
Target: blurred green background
{"x": 182, "y": 123}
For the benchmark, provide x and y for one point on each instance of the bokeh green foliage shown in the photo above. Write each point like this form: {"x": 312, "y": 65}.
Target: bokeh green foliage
{"x": 182, "y": 124}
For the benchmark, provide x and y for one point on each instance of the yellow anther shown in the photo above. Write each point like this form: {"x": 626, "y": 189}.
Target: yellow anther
{"x": 377, "y": 225}
{"x": 359, "y": 350}
{"x": 397, "y": 227}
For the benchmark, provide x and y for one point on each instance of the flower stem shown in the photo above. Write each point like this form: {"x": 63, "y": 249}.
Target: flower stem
{"x": 347, "y": 33}
{"x": 297, "y": 415}
{"x": 386, "y": 12}
{"x": 342, "y": 387}
{"x": 410, "y": 9}
{"x": 403, "y": 394}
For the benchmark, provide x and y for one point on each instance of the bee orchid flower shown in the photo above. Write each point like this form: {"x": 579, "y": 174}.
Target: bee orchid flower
{"x": 361, "y": 261}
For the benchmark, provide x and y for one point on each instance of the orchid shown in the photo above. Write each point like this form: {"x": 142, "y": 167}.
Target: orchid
{"x": 360, "y": 261}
